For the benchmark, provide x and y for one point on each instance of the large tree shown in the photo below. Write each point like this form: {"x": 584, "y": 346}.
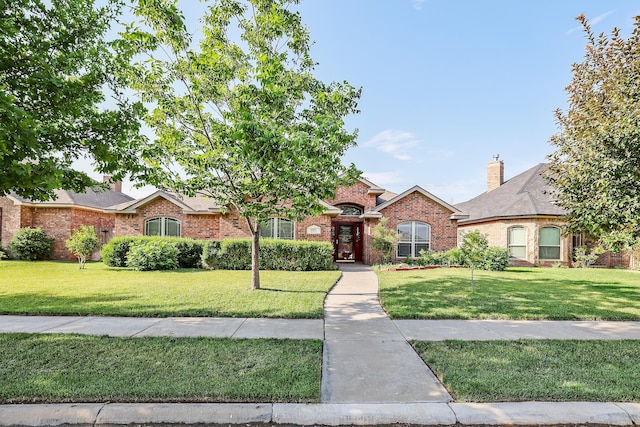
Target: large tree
{"x": 237, "y": 114}
{"x": 596, "y": 166}
{"x": 56, "y": 71}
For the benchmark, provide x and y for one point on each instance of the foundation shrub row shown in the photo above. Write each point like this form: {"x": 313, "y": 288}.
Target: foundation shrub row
{"x": 158, "y": 253}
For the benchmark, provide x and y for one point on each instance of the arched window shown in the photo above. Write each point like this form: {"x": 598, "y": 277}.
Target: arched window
{"x": 168, "y": 227}
{"x": 350, "y": 210}
{"x": 549, "y": 243}
{"x": 517, "y": 241}
{"x": 277, "y": 228}
{"x": 414, "y": 237}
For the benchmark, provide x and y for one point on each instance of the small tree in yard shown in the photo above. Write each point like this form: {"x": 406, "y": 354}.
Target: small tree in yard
{"x": 474, "y": 246}
{"x": 239, "y": 117}
{"x": 83, "y": 243}
{"x": 384, "y": 240}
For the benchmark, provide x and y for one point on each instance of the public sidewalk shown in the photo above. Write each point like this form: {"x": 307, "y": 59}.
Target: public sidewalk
{"x": 370, "y": 373}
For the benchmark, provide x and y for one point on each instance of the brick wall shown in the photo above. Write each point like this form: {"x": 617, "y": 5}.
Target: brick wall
{"x": 192, "y": 225}
{"x": 11, "y": 217}
{"x": 356, "y": 194}
{"x": 322, "y": 221}
{"x": 418, "y": 207}
{"x": 497, "y": 234}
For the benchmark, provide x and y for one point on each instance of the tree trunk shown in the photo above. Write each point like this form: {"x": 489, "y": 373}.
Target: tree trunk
{"x": 255, "y": 260}
{"x": 473, "y": 286}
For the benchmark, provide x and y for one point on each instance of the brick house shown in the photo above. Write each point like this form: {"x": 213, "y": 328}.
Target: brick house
{"x": 424, "y": 221}
{"x": 60, "y": 217}
{"x": 520, "y": 215}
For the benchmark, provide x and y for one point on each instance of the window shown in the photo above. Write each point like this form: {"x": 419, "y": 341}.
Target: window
{"x": 414, "y": 237}
{"x": 517, "y": 241}
{"x": 350, "y": 210}
{"x": 168, "y": 227}
{"x": 277, "y": 228}
{"x": 550, "y": 243}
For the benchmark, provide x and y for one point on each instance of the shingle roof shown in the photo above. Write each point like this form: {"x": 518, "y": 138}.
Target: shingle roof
{"x": 197, "y": 204}
{"x": 524, "y": 195}
{"x": 100, "y": 199}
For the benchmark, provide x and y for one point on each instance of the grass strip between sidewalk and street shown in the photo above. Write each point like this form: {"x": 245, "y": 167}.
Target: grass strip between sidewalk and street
{"x": 80, "y": 368}
{"x": 540, "y": 370}
{"x": 61, "y": 288}
{"x": 518, "y": 293}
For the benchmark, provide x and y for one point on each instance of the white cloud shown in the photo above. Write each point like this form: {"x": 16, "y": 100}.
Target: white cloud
{"x": 394, "y": 142}
{"x": 417, "y": 4}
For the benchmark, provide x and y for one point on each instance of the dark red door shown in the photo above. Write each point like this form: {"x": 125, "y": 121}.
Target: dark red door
{"x": 347, "y": 242}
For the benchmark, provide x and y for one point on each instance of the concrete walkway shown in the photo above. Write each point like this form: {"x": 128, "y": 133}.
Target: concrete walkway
{"x": 370, "y": 373}
{"x": 362, "y": 344}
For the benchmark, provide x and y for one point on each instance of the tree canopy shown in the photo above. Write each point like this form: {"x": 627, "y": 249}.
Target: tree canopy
{"x": 238, "y": 115}
{"x": 595, "y": 168}
{"x": 56, "y": 68}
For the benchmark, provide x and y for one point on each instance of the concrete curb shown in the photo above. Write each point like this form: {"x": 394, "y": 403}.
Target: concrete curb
{"x": 149, "y": 414}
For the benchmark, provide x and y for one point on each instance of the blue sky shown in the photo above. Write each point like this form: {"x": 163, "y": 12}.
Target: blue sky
{"x": 448, "y": 83}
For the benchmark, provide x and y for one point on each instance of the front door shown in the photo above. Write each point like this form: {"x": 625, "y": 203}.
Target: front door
{"x": 347, "y": 242}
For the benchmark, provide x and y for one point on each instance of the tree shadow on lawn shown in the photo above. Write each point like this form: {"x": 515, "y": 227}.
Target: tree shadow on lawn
{"x": 504, "y": 297}
{"x": 119, "y": 305}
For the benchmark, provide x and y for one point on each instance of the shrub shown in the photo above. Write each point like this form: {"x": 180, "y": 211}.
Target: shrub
{"x": 83, "y": 243}
{"x": 114, "y": 253}
{"x": 31, "y": 244}
{"x": 190, "y": 252}
{"x": 210, "y": 254}
{"x": 454, "y": 257}
{"x": 494, "y": 259}
{"x": 585, "y": 257}
{"x": 235, "y": 254}
{"x": 384, "y": 240}
{"x": 158, "y": 254}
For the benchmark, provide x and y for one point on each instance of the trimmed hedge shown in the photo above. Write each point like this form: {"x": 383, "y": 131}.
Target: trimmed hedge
{"x": 116, "y": 252}
{"x": 231, "y": 254}
{"x": 159, "y": 254}
{"x": 235, "y": 254}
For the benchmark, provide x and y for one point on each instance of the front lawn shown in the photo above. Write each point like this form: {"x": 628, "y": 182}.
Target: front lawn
{"x": 518, "y": 293}
{"x": 60, "y": 288}
{"x": 542, "y": 370}
{"x": 73, "y": 368}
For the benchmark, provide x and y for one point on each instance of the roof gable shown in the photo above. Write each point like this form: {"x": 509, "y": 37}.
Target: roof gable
{"x": 455, "y": 212}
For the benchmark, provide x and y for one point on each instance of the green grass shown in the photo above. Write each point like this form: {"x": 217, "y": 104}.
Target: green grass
{"x": 543, "y": 370}
{"x": 518, "y": 293}
{"x": 73, "y": 368}
{"x": 61, "y": 288}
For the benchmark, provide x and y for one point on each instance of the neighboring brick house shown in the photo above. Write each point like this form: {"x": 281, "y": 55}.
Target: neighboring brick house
{"x": 60, "y": 217}
{"x": 520, "y": 215}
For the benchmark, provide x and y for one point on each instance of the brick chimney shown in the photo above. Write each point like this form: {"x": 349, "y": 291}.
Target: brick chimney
{"x": 115, "y": 186}
{"x": 495, "y": 173}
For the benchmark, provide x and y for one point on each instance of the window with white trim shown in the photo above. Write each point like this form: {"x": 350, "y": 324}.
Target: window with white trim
{"x": 549, "y": 243}
{"x": 168, "y": 227}
{"x": 277, "y": 228}
{"x": 517, "y": 242}
{"x": 414, "y": 237}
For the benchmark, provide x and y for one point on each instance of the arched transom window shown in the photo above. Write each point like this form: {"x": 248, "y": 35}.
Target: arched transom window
{"x": 414, "y": 237}
{"x": 162, "y": 226}
{"x": 350, "y": 210}
{"x": 277, "y": 228}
